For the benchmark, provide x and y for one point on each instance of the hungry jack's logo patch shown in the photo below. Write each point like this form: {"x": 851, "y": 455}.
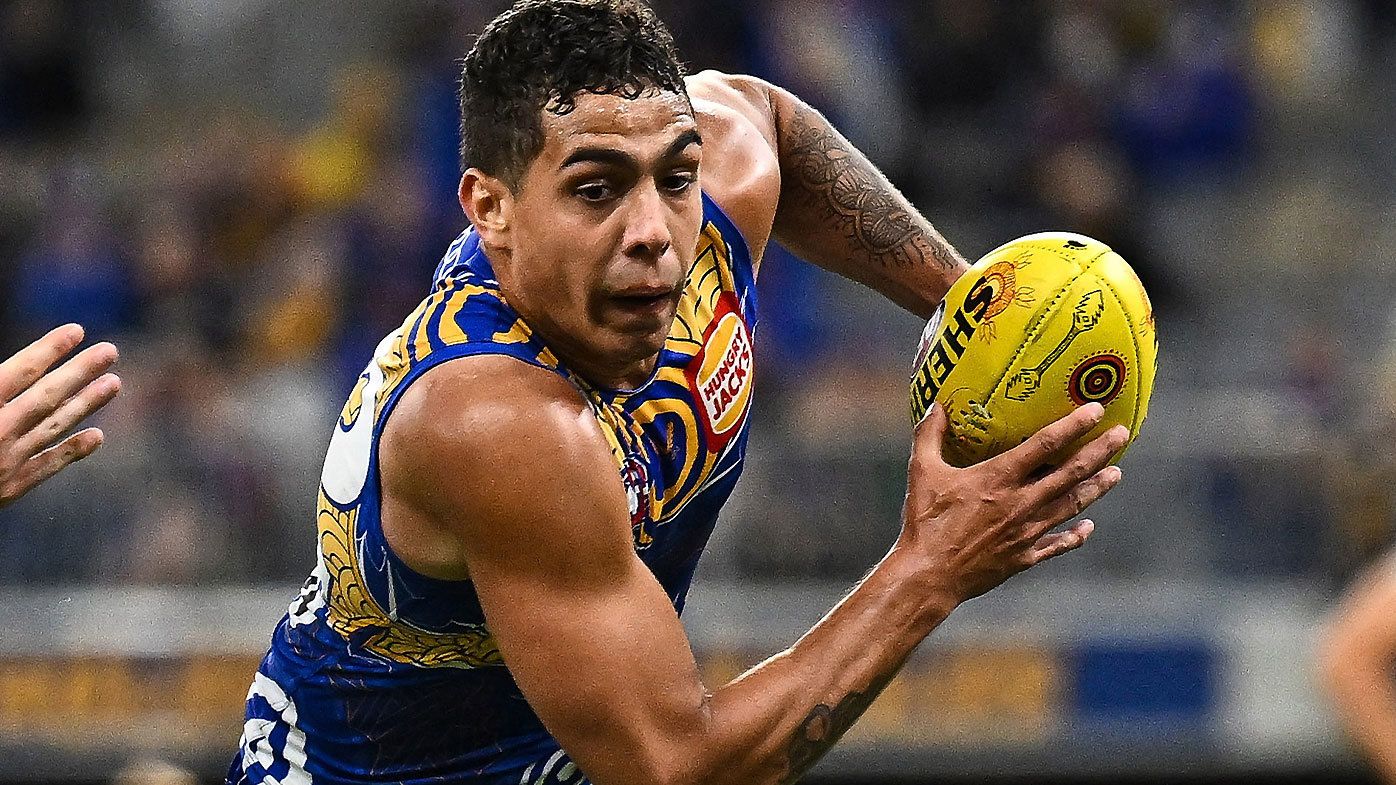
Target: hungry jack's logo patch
{"x": 720, "y": 374}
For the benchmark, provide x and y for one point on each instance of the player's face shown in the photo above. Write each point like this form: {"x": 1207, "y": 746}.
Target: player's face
{"x": 604, "y": 228}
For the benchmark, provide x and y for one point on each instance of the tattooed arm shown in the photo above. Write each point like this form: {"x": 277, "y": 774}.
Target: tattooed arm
{"x": 839, "y": 212}
{"x": 589, "y": 634}
{"x": 825, "y": 725}
{"x": 832, "y": 206}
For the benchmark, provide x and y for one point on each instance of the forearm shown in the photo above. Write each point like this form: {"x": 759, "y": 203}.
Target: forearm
{"x": 774, "y": 722}
{"x": 593, "y": 642}
{"x": 1366, "y": 703}
{"x": 839, "y": 212}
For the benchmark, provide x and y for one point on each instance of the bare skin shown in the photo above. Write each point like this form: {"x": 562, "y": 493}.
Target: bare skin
{"x": 832, "y": 207}
{"x": 593, "y": 247}
{"x": 38, "y": 405}
{"x": 585, "y": 628}
{"x": 1356, "y": 656}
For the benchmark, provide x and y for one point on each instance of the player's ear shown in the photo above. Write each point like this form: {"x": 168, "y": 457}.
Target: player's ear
{"x": 488, "y": 203}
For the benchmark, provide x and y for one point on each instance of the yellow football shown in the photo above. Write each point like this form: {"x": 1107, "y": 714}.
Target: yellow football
{"x": 1037, "y": 327}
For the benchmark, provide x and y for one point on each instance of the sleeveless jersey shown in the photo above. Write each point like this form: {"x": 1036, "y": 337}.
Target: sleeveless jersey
{"x": 379, "y": 674}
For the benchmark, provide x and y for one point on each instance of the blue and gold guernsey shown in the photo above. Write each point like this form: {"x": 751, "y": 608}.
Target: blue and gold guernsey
{"x": 378, "y": 674}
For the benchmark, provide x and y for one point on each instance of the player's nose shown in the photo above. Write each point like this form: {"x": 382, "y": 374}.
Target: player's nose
{"x": 647, "y": 234}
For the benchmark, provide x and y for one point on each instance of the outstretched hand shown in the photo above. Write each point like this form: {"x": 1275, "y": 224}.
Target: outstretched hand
{"x": 38, "y": 405}
{"x": 983, "y": 524}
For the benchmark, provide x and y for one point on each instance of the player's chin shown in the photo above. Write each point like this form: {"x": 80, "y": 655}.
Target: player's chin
{"x": 635, "y": 345}
{"x": 642, "y": 345}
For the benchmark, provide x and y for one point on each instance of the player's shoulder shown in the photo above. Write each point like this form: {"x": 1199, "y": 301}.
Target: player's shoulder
{"x": 734, "y": 114}
{"x": 491, "y": 456}
{"x": 493, "y": 399}
{"x": 741, "y": 167}
{"x": 726, "y": 98}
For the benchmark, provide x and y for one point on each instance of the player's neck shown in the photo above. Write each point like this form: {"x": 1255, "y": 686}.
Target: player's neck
{"x": 610, "y": 377}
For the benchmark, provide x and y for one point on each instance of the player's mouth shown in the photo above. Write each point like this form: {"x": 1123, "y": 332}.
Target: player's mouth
{"x": 645, "y": 301}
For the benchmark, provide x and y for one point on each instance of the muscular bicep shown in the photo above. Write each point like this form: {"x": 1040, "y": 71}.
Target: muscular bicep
{"x": 532, "y": 495}
{"x": 601, "y": 659}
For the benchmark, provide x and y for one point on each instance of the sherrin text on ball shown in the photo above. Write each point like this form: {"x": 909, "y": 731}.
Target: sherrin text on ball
{"x": 1036, "y": 327}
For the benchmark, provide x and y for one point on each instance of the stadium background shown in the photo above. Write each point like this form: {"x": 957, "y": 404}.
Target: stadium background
{"x": 247, "y": 194}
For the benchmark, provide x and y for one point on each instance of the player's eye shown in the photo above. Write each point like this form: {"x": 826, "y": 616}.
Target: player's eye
{"x": 679, "y": 183}
{"x": 594, "y": 192}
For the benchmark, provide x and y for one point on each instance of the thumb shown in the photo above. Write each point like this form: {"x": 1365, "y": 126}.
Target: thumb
{"x": 930, "y": 433}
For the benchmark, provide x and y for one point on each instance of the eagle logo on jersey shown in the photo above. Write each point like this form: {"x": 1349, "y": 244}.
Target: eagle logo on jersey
{"x": 637, "y": 488}
{"x": 636, "y": 480}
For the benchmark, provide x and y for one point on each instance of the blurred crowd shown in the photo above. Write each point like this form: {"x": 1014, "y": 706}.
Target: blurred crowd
{"x": 248, "y": 195}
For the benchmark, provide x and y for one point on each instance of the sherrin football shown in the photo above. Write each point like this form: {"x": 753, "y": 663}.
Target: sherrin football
{"x": 1037, "y": 327}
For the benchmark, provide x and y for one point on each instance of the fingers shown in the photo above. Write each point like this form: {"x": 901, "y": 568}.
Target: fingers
{"x": 1050, "y": 546}
{"x": 1083, "y": 464}
{"x": 39, "y": 405}
{"x": 19, "y": 372}
{"x": 50, "y": 462}
{"x": 1047, "y": 442}
{"x": 31, "y": 407}
{"x": 94, "y": 396}
{"x": 1071, "y": 503}
{"x": 930, "y": 434}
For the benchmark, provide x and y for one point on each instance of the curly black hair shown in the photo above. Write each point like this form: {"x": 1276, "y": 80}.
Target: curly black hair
{"x": 538, "y": 56}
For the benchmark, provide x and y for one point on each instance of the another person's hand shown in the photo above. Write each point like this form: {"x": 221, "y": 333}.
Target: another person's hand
{"x": 992, "y": 520}
{"x": 39, "y": 405}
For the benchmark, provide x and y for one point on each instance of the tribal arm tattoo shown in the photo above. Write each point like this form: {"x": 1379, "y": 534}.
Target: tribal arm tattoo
{"x": 839, "y": 212}
{"x": 824, "y": 726}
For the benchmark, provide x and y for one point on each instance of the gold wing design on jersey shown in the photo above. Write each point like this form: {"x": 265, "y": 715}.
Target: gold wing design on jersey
{"x": 707, "y": 280}
{"x": 710, "y": 277}
{"x": 351, "y": 609}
